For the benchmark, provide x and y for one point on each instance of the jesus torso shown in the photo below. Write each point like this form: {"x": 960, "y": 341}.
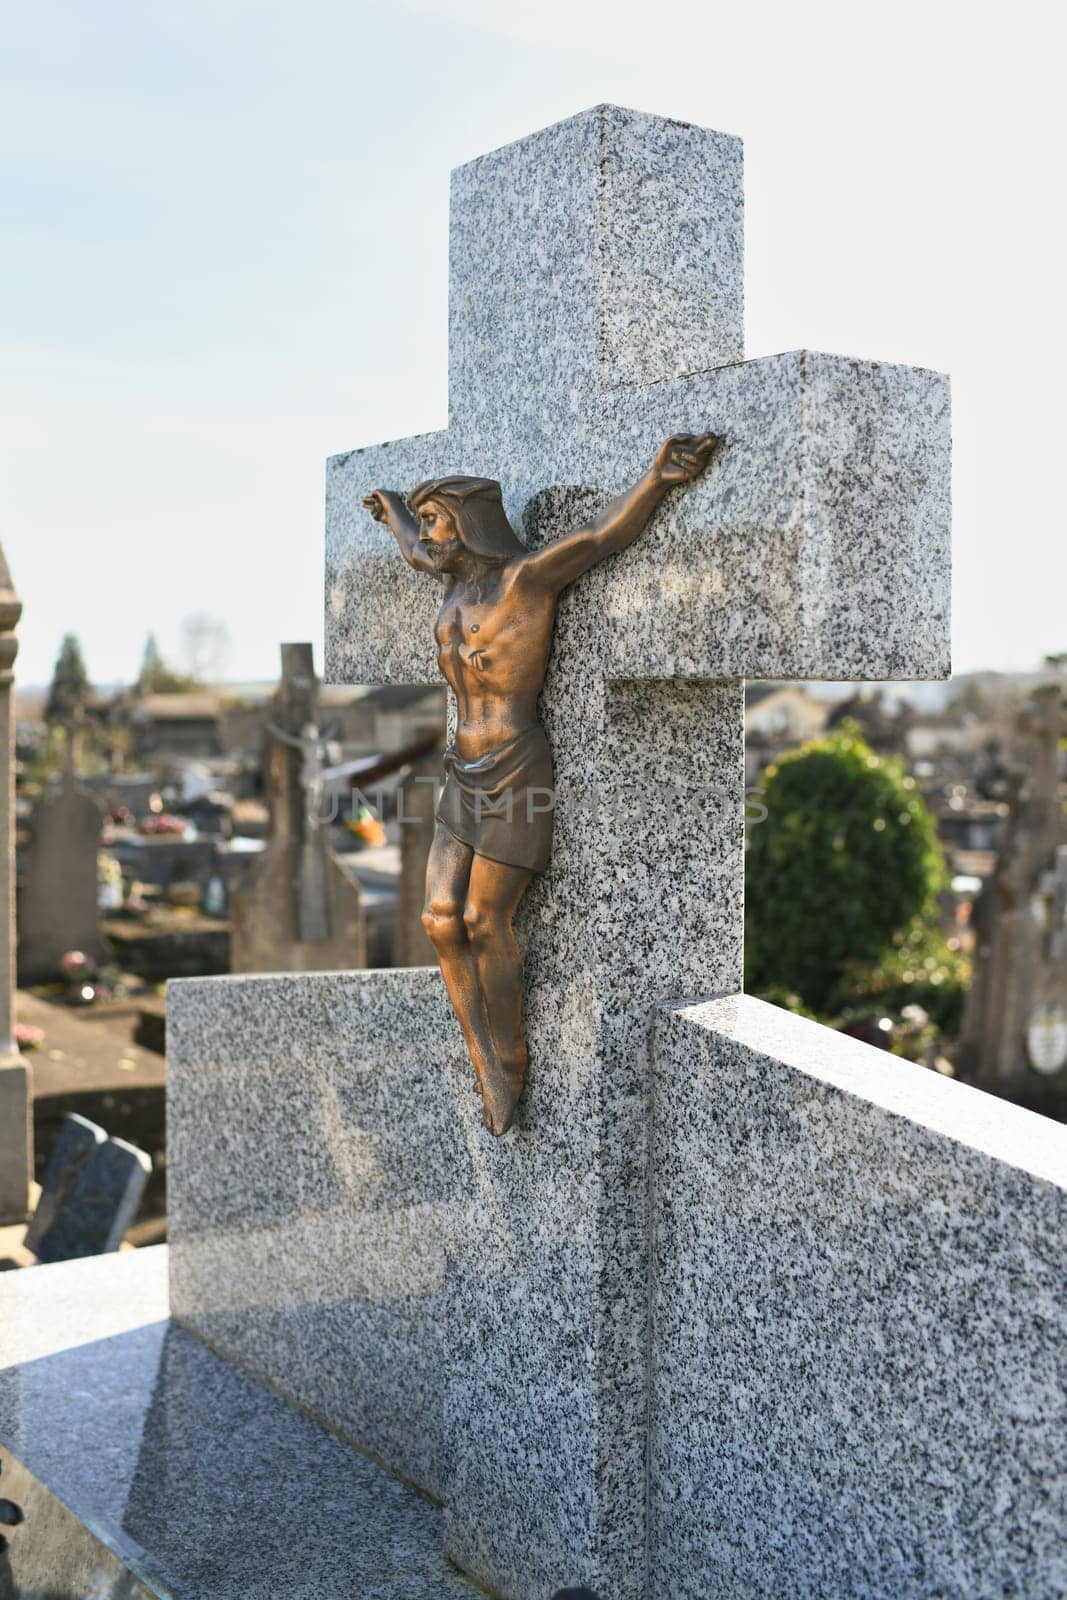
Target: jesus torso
{"x": 493, "y": 643}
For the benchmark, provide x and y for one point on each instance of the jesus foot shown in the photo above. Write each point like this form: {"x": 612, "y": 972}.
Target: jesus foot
{"x": 502, "y": 1090}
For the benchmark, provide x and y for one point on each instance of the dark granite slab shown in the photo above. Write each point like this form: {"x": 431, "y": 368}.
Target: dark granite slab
{"x": 77, "y": 1142}
{"x": 200, "y": 1482}
{"x": 96, "y": 1196}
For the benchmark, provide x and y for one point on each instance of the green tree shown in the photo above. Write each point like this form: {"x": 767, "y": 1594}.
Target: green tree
{"x": 70, "y": 688}
{"x": 845, "y": 867}
{"x": 152, "y": 665}
{"x": 155, "y": 677}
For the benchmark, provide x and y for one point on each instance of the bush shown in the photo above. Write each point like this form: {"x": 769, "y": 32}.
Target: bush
{"x": 842, "y": 872}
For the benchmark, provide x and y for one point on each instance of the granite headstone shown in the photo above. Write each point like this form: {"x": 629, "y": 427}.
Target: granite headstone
{"x": 59, "y": 898}
{"x": 77, "y": 1141}
{"x": 93, "y": 1214}
{"x": 496, "y": 1293}
{"x": 418, "y": 799}
{"x": 16, "y": 1088}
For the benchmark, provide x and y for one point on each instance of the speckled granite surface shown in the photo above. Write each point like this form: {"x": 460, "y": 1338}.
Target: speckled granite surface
{"x": 815, "y": 547}
{"x": 199, "y": 1481}
{"x": 471, "y": 1310}
{"x": 860, "y": 1323}
{"x": 315, "y": 1157}
{"x": 595, "y": 306}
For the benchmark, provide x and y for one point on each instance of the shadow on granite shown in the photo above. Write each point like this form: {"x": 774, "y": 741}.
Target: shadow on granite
{"x": 198, "y": 1479}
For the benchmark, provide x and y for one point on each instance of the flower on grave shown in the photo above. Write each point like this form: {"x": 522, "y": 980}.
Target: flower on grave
{"x": 164, "y": 823}
{"x": 27, "y": 1037}
{"x": 366, "y": 827}
{"x": 76, "y": 966}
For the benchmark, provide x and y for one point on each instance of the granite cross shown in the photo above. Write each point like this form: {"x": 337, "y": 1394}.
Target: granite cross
{"x": 595, "y": 308}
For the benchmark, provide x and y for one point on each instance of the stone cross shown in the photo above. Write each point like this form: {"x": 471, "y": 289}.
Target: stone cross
{"x": 595, "y": 308}
{"x": 16, "y": 1098}
{"x": 297, "y": 909}
{"x": 297, "y": 708}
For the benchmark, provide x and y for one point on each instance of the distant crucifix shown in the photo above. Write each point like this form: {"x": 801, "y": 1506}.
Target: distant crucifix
{"x": 297, "y": 908}
{"x": 312, "y": 900}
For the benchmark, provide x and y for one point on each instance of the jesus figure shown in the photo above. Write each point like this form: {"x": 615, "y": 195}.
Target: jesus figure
{"x": 494, "y": 817}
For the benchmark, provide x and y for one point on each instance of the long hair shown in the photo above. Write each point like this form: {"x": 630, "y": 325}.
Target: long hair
{"x": 478, "y": 509}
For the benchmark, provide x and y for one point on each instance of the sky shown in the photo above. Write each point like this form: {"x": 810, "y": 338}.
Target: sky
{"x": 223, "y": 256}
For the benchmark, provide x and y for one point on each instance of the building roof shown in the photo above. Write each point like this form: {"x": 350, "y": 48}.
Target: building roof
{"x": 194, "y": 707}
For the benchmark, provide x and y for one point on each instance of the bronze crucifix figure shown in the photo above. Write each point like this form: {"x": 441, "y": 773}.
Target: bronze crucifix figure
{"x": 494, "y": 817}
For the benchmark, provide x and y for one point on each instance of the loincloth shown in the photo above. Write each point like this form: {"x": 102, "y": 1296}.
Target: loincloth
{"x": 502, "y": 804}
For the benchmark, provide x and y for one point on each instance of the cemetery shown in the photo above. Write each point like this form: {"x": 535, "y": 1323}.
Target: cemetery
{"x": 402, "y": 1195}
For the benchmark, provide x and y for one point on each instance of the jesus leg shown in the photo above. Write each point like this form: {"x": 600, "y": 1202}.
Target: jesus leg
{"x": 493, "y": 893}
{"x": 447, "y": 876}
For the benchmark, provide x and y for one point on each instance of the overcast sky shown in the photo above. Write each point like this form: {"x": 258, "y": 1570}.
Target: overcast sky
{"x": 223, "y": 257}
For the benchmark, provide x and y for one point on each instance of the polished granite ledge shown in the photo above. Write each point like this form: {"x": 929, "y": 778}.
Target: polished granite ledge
{"x": 859, "y": 1322}
{"x": 199, "y": 1483}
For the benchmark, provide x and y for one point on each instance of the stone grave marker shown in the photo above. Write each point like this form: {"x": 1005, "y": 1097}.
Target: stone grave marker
{"x": 1014, "y": 1036}
{"x": 98, "y": 1187}
{"x": 596, "y": 308}
{"x": 77, "y": 1142}
{"x": 58, "y": 900}
{"x": 496, "y": 1295}
{"x": 296, "y": 909}
{"x": 418, "y": 798}
{"x": 16, "y": 1092}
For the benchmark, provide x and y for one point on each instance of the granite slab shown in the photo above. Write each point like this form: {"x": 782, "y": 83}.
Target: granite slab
{"x": 472, "y": 1311}
{"x": 199, "y": 1482}
{"x": 859, "y": 1323}
{"x": 91, "y": 1216}
{"x": 315, "y": 1160}
{"x": 77, "y": 1141}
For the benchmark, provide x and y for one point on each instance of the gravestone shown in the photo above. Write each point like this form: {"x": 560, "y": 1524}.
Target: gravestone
{"x": 164, "y": 861}
{"x": 418, "y": 800}
{"x": 58, "y": 897}
{"x": 815, "y": 547}
{"x": 486, "y": 1331}
{"x": 296, "y": 909}
{"x": 1014, "y": 1038}
{"x": 77, "y": 1142}
{"x": 16, "y": 1091}
{"x": 93, "y": 1196}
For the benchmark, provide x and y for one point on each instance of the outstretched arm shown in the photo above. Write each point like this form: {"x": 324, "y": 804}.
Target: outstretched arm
{"x": 385, "y": 505}
{"x": 680, "y": 459}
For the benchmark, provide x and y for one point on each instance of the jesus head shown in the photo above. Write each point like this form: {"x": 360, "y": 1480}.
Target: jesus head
{"x": 463, "y": 514}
